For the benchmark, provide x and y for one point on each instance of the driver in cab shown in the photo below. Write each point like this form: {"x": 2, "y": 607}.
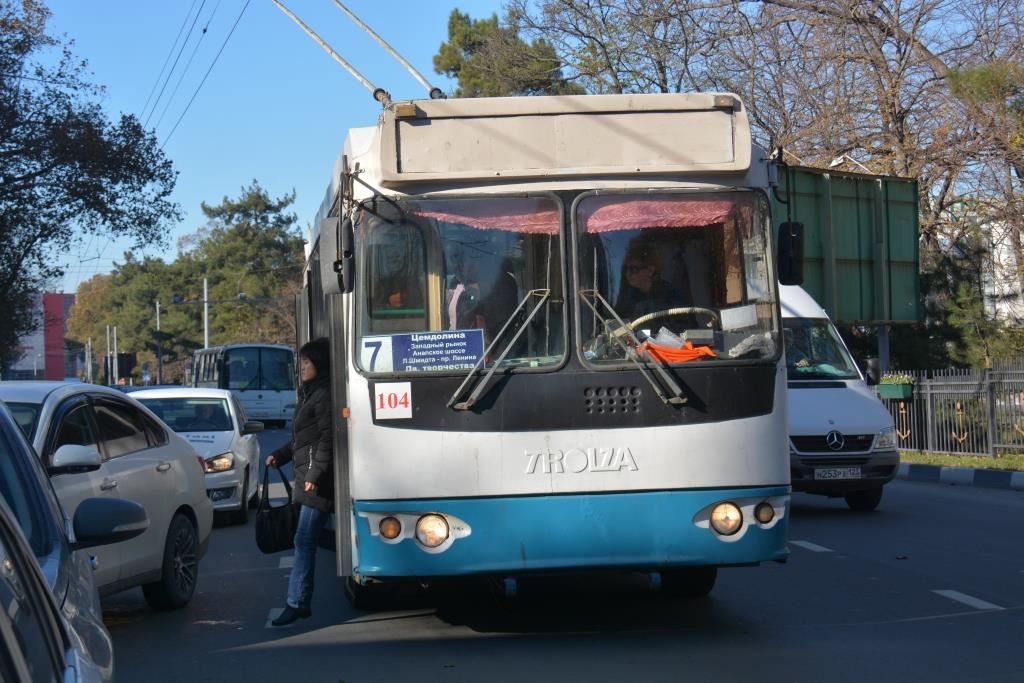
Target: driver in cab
{"x": 644, "y": 290}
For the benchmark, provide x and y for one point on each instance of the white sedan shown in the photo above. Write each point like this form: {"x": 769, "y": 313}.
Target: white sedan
{"x": 213, "y": 421}
{"x": 141, "y": 460}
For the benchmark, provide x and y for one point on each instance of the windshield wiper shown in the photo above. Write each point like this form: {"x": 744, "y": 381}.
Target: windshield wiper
{"x": 624, "y": 330}
{"x": 478, "y": 389}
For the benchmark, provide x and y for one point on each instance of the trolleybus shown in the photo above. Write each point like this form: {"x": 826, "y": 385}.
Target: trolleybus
{"x": 556, "y": 342}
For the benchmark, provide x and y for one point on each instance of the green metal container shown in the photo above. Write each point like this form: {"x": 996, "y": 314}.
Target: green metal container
{"x": 899, "y": 392}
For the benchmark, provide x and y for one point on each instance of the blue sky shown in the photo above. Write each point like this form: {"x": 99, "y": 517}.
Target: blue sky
{"x": 275, "y": 108}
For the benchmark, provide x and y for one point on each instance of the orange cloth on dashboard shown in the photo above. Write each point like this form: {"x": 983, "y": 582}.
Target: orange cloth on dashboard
{"x": 685, "y": 354}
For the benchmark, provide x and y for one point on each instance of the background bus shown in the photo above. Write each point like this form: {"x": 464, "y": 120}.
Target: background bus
{"x": 262, "y": 376}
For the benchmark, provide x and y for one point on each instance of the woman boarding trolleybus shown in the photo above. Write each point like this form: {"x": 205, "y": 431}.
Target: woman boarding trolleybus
{"x": 556, "y": 339}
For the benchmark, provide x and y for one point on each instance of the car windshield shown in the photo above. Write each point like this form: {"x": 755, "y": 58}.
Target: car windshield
{"x": 26, "y": 415}
{"x": 191, "y": 414}
{"x": 815, "y": 351}
{"x": 444, "y": 280}
{"x": 675, "y": 277}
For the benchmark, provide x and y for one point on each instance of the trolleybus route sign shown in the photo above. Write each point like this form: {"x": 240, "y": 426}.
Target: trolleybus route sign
{"x": 423, "y": 351}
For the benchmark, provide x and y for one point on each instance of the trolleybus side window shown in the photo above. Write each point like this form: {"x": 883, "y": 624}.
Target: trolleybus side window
{"x": 446, "y": 279}
{"x": 684, "y": 274}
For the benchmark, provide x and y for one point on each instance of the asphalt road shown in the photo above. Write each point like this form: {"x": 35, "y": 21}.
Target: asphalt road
{"x": 930, "y": 587}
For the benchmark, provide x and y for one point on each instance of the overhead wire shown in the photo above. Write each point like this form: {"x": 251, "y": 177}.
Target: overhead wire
{"x": 168, "y": 58}
{"x": 167, "y": 80}
{"x": 213, "y": 64}
{"x": 188, "y": 64}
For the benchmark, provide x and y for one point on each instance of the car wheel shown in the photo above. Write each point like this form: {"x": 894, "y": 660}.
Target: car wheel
{"x": 241, "y": 515}
{"x": 180, "y": 567}
{"x": 864, "y": 500}
{"x": 688, "y": 582}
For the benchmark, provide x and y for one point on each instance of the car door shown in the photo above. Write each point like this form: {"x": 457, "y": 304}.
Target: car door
{"x": 72, "y": 423}
{"x": 249, "y": 445}
{"x": 135, "y": 470}
{"x": 33, "y": 642}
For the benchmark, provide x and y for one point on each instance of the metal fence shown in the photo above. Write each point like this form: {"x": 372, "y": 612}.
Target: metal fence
{"x": 963, "y": 411}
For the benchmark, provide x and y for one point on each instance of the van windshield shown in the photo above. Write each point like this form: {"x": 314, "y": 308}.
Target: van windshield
{"x": 815, "y": 351}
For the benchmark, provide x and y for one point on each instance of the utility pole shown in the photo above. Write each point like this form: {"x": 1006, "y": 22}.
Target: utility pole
{"x": 107, "y": 373}
{"x": 206, "y": 317}
{"x": 88, "y": 360}
{"x": 159, "y": 349}
{"x": 115, "y": 363}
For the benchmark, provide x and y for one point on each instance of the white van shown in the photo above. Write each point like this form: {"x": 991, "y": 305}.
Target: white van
{"x": 842, "y": 441}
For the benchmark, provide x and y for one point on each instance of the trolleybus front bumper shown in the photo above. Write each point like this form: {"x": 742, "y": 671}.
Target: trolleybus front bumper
{"x": 515, "y": 535}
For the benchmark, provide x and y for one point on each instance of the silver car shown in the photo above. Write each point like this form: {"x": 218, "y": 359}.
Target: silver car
{"x": 141, "y": 460}
{"x": 46, "y": 588}
{"x": 213, "y": 421}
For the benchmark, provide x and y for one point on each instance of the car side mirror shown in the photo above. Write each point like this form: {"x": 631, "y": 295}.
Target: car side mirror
{"x": 252, "y": 427}
{"x": 74, "y": 459}
{"x": 872, "y": 371}
{"x": 102, "y": 521}
{"x": 790, "y": 253}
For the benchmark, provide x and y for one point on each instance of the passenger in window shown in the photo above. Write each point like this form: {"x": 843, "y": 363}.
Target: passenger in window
{"x": 206, "y": 419}
{"x": 311, "y": 449}
{"x": 644, "y": 290}
{"x": 396, "y": 283}
{"x": 483, "y": 296}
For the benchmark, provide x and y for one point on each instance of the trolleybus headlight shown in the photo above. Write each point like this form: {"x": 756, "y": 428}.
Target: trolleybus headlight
{"x": 432, "y": 530}
{"x": 726, "y": 518}
{"x": 764, "y": 512}
{"x": 390, "y": 528}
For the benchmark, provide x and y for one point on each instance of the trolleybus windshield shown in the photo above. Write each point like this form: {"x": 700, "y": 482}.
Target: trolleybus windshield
{"x": 675, "y": 277}
{"x": 443, "y": 280}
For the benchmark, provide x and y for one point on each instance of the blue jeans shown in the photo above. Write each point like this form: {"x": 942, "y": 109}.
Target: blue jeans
{"x": 300, "y": 584}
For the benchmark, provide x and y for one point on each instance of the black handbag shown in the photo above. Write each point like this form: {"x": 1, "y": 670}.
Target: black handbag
{"x": 275, "y": 526}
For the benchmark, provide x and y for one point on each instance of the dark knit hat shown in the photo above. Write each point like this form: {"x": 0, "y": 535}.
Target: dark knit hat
{"x": 318, "y": 352}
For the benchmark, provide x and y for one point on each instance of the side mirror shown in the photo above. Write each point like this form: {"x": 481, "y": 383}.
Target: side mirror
{"x": 348, "y": 256}
{"x": 337, "y": 255}
{"x": 74, "y": 459}
{"x": 790, "y": 256}
{"x": 872, "y": 371}
{"x": 252, "y": 427}
{"x": 102, "y": 521}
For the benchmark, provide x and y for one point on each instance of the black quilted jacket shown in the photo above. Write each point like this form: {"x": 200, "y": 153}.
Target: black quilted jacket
{"x": 311, "y": 449}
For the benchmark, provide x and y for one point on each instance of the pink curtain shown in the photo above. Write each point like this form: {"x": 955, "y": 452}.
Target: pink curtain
{"x": 538, "y": 217}
{"x": 607, "y": 213}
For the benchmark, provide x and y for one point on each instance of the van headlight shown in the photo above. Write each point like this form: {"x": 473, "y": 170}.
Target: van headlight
{"x": 886, "y": 439}
{"x": 220, "y": 463}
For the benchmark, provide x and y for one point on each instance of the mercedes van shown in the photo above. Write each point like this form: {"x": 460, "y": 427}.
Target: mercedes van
{"x": 842, "y": 441}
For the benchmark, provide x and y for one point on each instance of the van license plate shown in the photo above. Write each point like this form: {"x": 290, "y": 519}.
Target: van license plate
{"x": 838, "y": 473}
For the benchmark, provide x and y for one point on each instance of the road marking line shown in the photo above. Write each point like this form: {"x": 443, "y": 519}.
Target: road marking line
{"x": 286, "y": 562}
{"x": 967, "y": 599}
{"x": 813, "y": 547}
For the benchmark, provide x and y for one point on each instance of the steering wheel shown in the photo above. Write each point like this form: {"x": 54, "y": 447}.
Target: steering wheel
{"x": 683, "y": 310}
